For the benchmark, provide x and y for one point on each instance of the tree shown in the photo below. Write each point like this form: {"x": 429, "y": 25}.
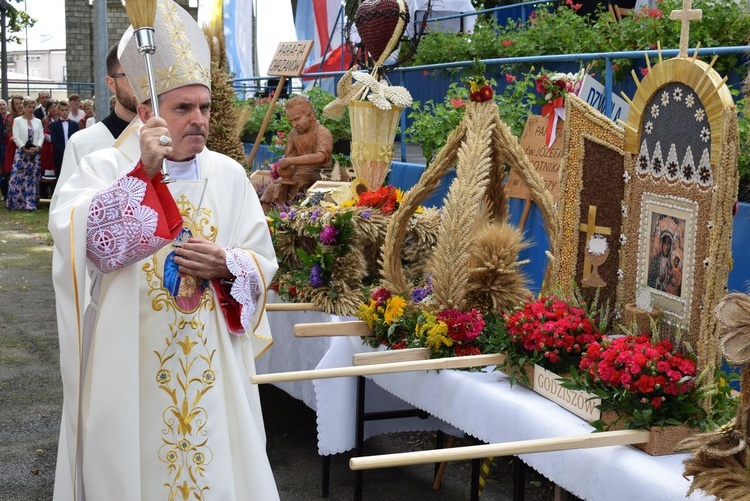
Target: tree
{"x": 16, "y": 20}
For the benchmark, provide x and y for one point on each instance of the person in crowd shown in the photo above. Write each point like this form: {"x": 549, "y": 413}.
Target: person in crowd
{"x": 75, "y": 113}
{"x": 23, "y": 186}
{"x": 88, "y": 109}
{"x": 41, "y": 105}
{"x": 162, "y": 372}
{"x": 103, "y": 134}
{"x": 16, "y": 110}
{"x": 48, "y": 151}
{"x": 3, "y": 144}
{"x": 60, "y": 131}
{"x": 308, "y": 150}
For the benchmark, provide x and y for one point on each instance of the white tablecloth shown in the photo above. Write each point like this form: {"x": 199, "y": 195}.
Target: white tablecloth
{"x": 334, "y": 400}
{"x": 481, "y": 404}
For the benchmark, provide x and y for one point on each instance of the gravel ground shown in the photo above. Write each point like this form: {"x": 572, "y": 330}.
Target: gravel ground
{"x": 31, "y": 400}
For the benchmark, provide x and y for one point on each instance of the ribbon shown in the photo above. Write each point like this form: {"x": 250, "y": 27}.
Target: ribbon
{"x": 555, "y": 109}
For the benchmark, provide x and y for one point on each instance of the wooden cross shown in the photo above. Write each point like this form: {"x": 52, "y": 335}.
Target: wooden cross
{"x": 591, "y": 229}
{"x": 685, "y": 16}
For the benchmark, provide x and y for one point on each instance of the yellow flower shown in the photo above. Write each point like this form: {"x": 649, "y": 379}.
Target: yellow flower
{"x": 368, "y": 313}
{"x": 419, "y": 210}
{"x": 349, "y": 203}
{"x": 429, "y": 322}
{"x": 474, "y": 86}
{"x": 394, "y": 309}
{"x": 399, "y": 196}
{"x": 437, "y": 336}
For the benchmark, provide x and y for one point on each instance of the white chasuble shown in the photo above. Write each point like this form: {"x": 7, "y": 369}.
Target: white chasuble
{"x": 158, "y": 402}
{"x": 197, "y": 429}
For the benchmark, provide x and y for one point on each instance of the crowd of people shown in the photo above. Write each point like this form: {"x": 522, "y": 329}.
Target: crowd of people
{"x": 31, "y": 150}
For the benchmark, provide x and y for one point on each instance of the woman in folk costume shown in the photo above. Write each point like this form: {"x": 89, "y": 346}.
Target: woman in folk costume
{"x": 158, "y": 403}
{"x": 15, "y": 106}
{"x": 28, "y": 136}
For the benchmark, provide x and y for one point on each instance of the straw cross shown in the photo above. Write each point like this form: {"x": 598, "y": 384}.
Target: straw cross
{"x": 685, "y": 16}
{"x": 591, "y": 229}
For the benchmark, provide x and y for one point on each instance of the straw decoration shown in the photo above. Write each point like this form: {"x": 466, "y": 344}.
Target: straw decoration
{"x": 141, "y": 13}
{"x": 393, "y": 272}
{"x": 448, "y": 263}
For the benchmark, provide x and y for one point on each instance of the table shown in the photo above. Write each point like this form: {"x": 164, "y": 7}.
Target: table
{"x": 481, "y": 404}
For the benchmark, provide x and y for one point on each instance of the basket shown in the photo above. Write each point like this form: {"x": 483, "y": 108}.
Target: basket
{"x": 373, "y": 131}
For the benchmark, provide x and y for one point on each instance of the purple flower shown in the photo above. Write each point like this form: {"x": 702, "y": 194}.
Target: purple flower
{"x": 328, "y": 235}
{"x": 366, "y": 214}
{"x": 419, "y": 293}
{"x": 292, "y": 214}
{"x": 282, "y": 215}
{"x": 316, "y": 280}
{"x": 314, "y": 215}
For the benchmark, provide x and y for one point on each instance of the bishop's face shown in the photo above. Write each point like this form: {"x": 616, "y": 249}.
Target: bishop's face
{"x": 187, "y": 111}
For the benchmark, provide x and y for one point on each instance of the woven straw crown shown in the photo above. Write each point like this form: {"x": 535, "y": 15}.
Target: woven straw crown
{"x": 181, "y": 58}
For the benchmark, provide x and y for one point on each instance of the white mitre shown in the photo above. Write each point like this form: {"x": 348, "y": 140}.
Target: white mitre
{"x": 182, "y": 56}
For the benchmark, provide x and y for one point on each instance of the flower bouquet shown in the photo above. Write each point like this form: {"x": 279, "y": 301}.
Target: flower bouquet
{"x": 400, "y": 321}
{"x": 549, "y": 332}
{"x": 554, "y": 87}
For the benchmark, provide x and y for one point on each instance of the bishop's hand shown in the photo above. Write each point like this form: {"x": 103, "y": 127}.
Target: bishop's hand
{"x": 153, "y": 147}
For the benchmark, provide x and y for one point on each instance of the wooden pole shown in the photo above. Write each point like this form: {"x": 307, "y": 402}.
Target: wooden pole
{"x": 327, "y": 329}
{"x": 370, "y": 370}
{"x": 525, "y": 214}
{"x": 587, "y": 441}
{"x": 271, "y": 110}
{"x": 293, "y": 307}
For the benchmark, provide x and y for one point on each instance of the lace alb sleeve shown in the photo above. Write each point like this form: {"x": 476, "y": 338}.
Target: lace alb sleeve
{"x": 120, "y": 229}
{"x": 247, "y": 286}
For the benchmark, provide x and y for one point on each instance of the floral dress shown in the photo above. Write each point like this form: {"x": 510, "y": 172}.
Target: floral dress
{"x": 23, "y": 189}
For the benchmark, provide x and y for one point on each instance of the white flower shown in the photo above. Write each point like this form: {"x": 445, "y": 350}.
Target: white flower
{"x": 623, "y": 239}
{"x": 706, "y": 262}
{"x": 705, "y": 134}
{"x": 690, "y": 100}
{"x": 649, "y": 127}
{"x": 626, "y": 177}
{"x": 620, "y": 274}
{"x": 624, "y": 210}
{"x": 710, "y": 225}
{"x": 700, "y": 115}
{"x": 655, "y": 110}
{"x": 677, "y": 94}
{"x": 665, "y": 98}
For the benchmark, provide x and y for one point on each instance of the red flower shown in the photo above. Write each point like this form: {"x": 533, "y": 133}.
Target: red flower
{"x": 485, "y": 93}
{"x": 457, "y": 102}
{"x": 380, "y": 295}
{"x": 507, "y": 43}
{"x": 644, "y": 72}
{"x": 510, "y": 78}
{"x": 383, "y": 199}
{"x": 292, "y": 291}
{"x": 462, "y": 326}
{"x": 475, "y": 97}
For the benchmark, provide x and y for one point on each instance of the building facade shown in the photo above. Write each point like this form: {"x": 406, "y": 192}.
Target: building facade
{"x": 79, "y": 37}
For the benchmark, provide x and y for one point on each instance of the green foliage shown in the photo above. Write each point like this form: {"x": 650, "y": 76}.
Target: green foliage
{"x": 562, "y": 31}
{"x": 17, "y": 20}
{"x": 433, "y": 122}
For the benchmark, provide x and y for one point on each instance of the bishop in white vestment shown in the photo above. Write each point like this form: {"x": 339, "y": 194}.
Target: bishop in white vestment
{"x": 158, "y": 403}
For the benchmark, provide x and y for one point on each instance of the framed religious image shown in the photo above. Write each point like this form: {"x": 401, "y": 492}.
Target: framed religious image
{"x": 662, "y": 268}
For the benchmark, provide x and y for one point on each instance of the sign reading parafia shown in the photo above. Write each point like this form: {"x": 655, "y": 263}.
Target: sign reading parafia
{"x": 545, "y": 160}
{"x": 290, "y": 58}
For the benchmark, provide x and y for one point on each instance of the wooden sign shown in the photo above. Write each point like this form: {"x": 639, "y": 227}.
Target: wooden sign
{"x": 290, "y": 58}
{"x": 579, "y": 402}
{"x": 545, "y": 160}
